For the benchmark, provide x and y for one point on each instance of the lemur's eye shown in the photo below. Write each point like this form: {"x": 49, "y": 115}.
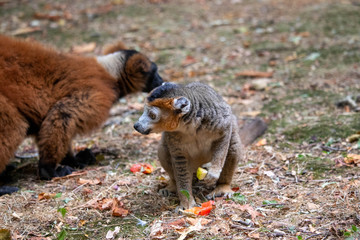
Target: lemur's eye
{"x": 152, "y": 115}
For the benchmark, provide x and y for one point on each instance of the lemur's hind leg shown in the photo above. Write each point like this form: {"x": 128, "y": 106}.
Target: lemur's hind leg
{"x": 13, "y": 128}
{"x": 234, "y": 155}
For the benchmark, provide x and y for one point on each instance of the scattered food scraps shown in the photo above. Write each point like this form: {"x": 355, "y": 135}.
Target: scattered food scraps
{"x": 204, "y": 210}
{"x": 201, "y": 173}
{"x": 142, "y": 167}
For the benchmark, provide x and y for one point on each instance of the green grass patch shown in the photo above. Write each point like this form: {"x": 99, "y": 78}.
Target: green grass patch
{"x": 23, "y": 11}
{"x": 98, "y": 229}
{"x": 327, "y": 19}
{"x": 135, "y": 10}
{"x": 268, "y": 45}
{"x": 299, "y": 101}
{"x": 319, "y": 166}
{"x": 164, "y": 57}
{"x": 324, "y": 127}
{"x": 340, "y": 19}
{"x": 335, "y": 55}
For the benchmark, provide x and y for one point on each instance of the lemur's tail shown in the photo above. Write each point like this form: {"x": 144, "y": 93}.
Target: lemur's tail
{"x": 251, "y": 129}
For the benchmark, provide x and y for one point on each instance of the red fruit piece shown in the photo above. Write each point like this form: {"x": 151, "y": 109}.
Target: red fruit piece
{"x": 142, "y": 167}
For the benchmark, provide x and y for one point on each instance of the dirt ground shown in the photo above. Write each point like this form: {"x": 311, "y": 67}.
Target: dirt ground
{"x": 290, "y": 62}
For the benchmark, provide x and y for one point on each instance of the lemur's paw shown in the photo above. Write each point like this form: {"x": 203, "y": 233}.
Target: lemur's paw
{"x": 211, "y": 179}
{"x": 170, "y": 188}
{"x": 221, "y": 190}
{"x": 7, "y": 190}
{"x": 187, "y": 204}
{"x": 165, "y": 192}
{"x": 47, "y": 172}
{"x": 85, "y": 157}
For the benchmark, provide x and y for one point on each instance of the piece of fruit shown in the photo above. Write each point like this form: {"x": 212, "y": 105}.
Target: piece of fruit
{"x": 201, "y": 173}
{"x": 204, "y": 210}
{"x": 135, "y": 168}
{"x": 147, "y": 168}
{"x": 142, "y": 167}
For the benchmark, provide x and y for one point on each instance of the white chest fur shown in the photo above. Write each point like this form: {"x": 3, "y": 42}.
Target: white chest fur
{"x": 198, "y": 148}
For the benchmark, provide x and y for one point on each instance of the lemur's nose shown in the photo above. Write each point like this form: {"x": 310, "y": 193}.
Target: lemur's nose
{"x": 137, "y": 126}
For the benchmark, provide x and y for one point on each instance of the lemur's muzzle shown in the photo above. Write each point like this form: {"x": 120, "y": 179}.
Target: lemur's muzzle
{"x": 138, "y": 127}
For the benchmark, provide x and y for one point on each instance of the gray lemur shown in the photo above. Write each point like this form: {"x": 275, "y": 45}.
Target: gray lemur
{"x": 198, "y": 128}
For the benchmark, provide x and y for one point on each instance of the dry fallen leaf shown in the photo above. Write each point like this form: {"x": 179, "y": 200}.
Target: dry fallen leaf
{"x": 312, "y": 206}
{"x": 83, "y": 181}
{"x": 253, "y": 213}
{"x": 112, "y": 204}
{"x": 99, "y": 10}
{"x": 261, "y": 142}
{"x": 105, "y": 204}
{"x": 220, "y": 227}
{"x": 25, "y": 30}
{"x": 87, "y": 191}
{"x": 254, "y": 170}
{"x": 303, "y": 34}
{"x": 51, "y": 17}
{"x": 82, "y": 223}
{"x": 196, "y": 227}
{"x": 85, "y": 48}
{"x": 177, "y": 224}
{"x": 352, "y": 159}
{"x": 119, "y": 211}
{"x": 291, "y": 58}
{"x": 188, "y": 61}
{"x": 353, "y": 138}
{"x": 193, "y": 221}
{"x": 254, "y": 235}
{"x": 43, "y": 195}
{"x": 156, "y": 230}
{"x": 250, "y": 114}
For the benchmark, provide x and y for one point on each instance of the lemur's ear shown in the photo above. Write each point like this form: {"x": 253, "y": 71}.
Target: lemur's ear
{"x": 182, "y": 105}
{"x": 115, "y": 47}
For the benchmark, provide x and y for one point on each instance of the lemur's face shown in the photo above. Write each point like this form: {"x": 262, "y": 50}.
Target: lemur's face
{"x": 162, "y": 115}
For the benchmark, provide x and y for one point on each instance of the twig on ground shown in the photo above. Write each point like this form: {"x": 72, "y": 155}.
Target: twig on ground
{"x": 272, "y": 204}
{"x": 242, "y": 227}
{"x": 314, "y": 235}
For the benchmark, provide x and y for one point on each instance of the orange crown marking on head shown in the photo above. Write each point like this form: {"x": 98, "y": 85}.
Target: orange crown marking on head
{"x": 169, "y": 119}
{"x": 163, "y": 103}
